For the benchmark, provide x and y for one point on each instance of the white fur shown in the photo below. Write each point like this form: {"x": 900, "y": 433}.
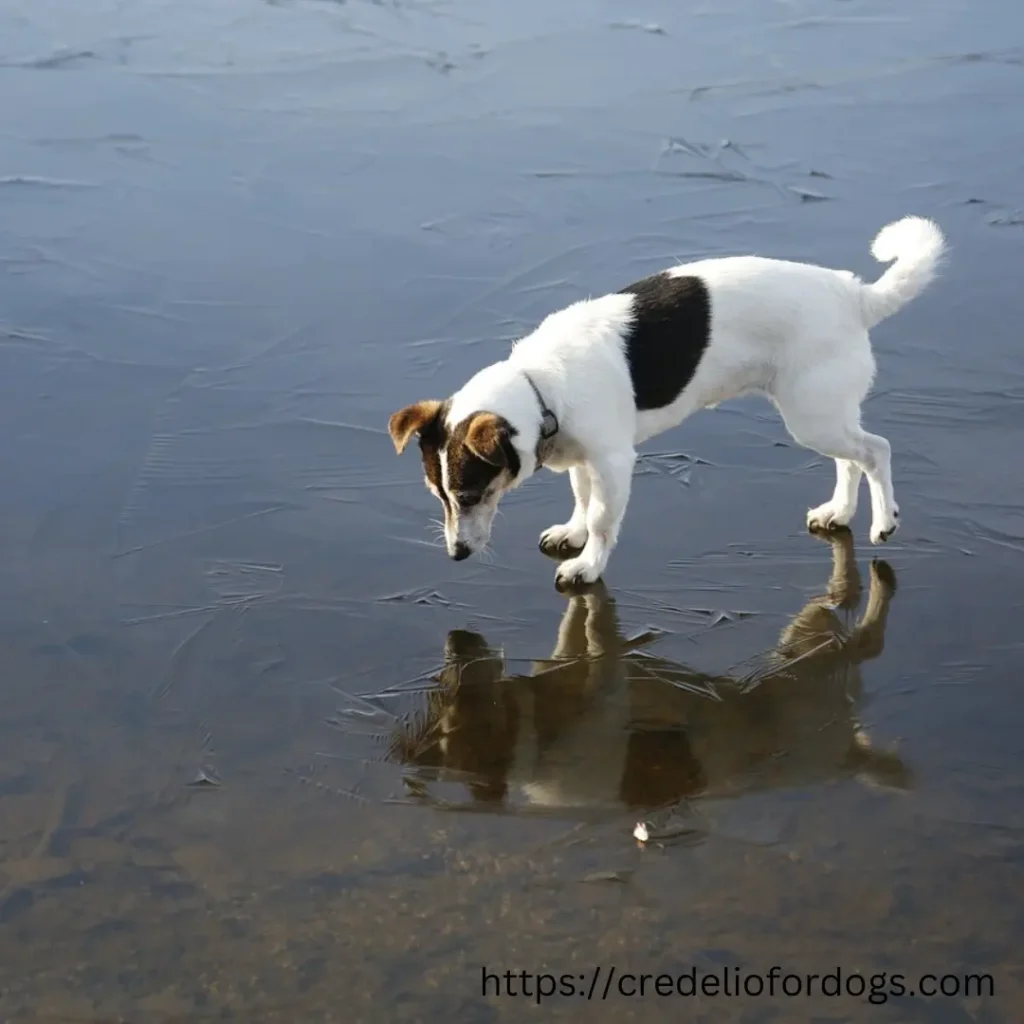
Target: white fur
{"x": 793, "y": 332}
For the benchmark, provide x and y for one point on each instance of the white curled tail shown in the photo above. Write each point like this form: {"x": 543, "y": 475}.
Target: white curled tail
{"x": 917, "y": 245}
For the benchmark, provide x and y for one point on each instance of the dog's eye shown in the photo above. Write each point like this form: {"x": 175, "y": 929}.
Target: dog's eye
{"x": 468, "y": 500}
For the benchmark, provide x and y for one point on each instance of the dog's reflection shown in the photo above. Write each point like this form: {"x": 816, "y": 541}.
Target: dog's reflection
{"x": 604, "y": 724}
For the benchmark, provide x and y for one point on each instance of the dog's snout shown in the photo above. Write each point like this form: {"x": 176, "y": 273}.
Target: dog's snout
{"x": 461, "y": 551}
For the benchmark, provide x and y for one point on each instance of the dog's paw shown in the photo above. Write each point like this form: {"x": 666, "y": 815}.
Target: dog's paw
{"x": 884, "y": 574}
{"x": 883, "y": 529}
{"x": 576, "y": 572}
{"x": 562, "y": 540}
{"x": 828, "y": 517}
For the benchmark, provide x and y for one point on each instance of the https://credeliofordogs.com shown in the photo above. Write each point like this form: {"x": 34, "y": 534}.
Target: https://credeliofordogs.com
{"x": 604, "y": 982}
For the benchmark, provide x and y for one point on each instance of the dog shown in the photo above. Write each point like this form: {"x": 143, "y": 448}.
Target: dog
{"x": 603, "y": 375}
{"x": 605, "y": 725}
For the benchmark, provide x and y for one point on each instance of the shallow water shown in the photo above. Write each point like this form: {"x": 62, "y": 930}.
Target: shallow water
{"x": 265, "y": 753}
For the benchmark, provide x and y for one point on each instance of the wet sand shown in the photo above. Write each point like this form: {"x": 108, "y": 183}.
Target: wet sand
{"x": 265, "y": 753}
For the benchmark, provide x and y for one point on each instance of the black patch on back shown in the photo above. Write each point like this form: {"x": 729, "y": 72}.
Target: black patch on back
{"x": 660, "y": 770}
{"x": 669, "y": 334}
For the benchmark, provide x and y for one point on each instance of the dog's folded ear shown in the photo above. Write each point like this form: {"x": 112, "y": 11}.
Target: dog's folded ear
{"x": 489, "y": 438}
{"x": 413, "y": 419}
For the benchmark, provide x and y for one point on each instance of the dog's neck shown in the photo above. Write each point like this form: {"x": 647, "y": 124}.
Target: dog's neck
{"x": 518, "y": 397}
{"x": 548, "y": 423}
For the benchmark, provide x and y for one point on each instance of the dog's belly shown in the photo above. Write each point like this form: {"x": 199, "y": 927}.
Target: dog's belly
{"x": 652, "y": 422}
{"x": 582, "y": 766}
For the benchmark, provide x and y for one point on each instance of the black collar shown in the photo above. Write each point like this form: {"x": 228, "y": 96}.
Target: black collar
{"x": 548, "y": 420}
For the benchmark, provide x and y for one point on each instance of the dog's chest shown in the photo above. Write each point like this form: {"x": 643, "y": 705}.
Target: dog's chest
{"x": 564, "y": 453}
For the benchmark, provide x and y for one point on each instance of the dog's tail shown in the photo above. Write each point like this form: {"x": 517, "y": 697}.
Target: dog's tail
{"x": 917, "y": 245}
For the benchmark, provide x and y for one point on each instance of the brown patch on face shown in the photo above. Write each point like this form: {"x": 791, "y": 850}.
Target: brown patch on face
{"x": 478, "y": 450}
{"x": 431, "y": 455}
{"x": 432, "y": 440}
{"x": 485, "y": 437}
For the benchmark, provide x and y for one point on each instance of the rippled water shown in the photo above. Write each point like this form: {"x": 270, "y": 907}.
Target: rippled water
{"x": 265, "y": 753}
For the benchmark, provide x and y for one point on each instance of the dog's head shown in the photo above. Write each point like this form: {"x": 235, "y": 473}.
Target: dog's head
{"x": 470, "y": 724}
{"x": 467, "y": 465}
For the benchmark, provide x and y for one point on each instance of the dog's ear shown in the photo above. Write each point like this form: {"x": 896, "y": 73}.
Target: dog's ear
{"x": 413, "y": 419}
{"x": 489, "y": 438}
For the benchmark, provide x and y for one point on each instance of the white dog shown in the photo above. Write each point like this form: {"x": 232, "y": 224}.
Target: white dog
{"x": 597, "y": 378}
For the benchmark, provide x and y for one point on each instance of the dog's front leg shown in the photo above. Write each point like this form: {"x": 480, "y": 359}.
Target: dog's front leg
{"x": 611, "y": 476}
{"x": 569, "y": 538}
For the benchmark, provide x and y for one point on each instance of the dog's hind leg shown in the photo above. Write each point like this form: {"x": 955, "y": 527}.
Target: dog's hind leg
{"x": 844, "y": 585}
{"x": 869, "y": 634}
{"x": 826, "y": 419}
{"x": 571, "y": 537}
{"x": 885, "y": 512}
{"x": 840, "y": 509}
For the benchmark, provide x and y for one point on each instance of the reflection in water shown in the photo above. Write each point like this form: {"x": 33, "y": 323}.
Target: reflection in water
{"x": 605, "y": 724}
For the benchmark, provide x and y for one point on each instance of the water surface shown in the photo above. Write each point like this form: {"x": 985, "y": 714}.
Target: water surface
{"x": 265, "y": 753}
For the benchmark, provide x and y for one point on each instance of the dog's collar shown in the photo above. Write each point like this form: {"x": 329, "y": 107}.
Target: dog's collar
{"x": 548, "y": 423}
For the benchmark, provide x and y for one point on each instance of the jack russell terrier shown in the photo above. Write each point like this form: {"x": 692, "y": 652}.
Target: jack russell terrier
{"x": 601, "y": 376}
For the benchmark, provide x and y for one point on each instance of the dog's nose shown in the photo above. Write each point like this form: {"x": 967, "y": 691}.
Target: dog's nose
{"x": 461, "y": 551}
